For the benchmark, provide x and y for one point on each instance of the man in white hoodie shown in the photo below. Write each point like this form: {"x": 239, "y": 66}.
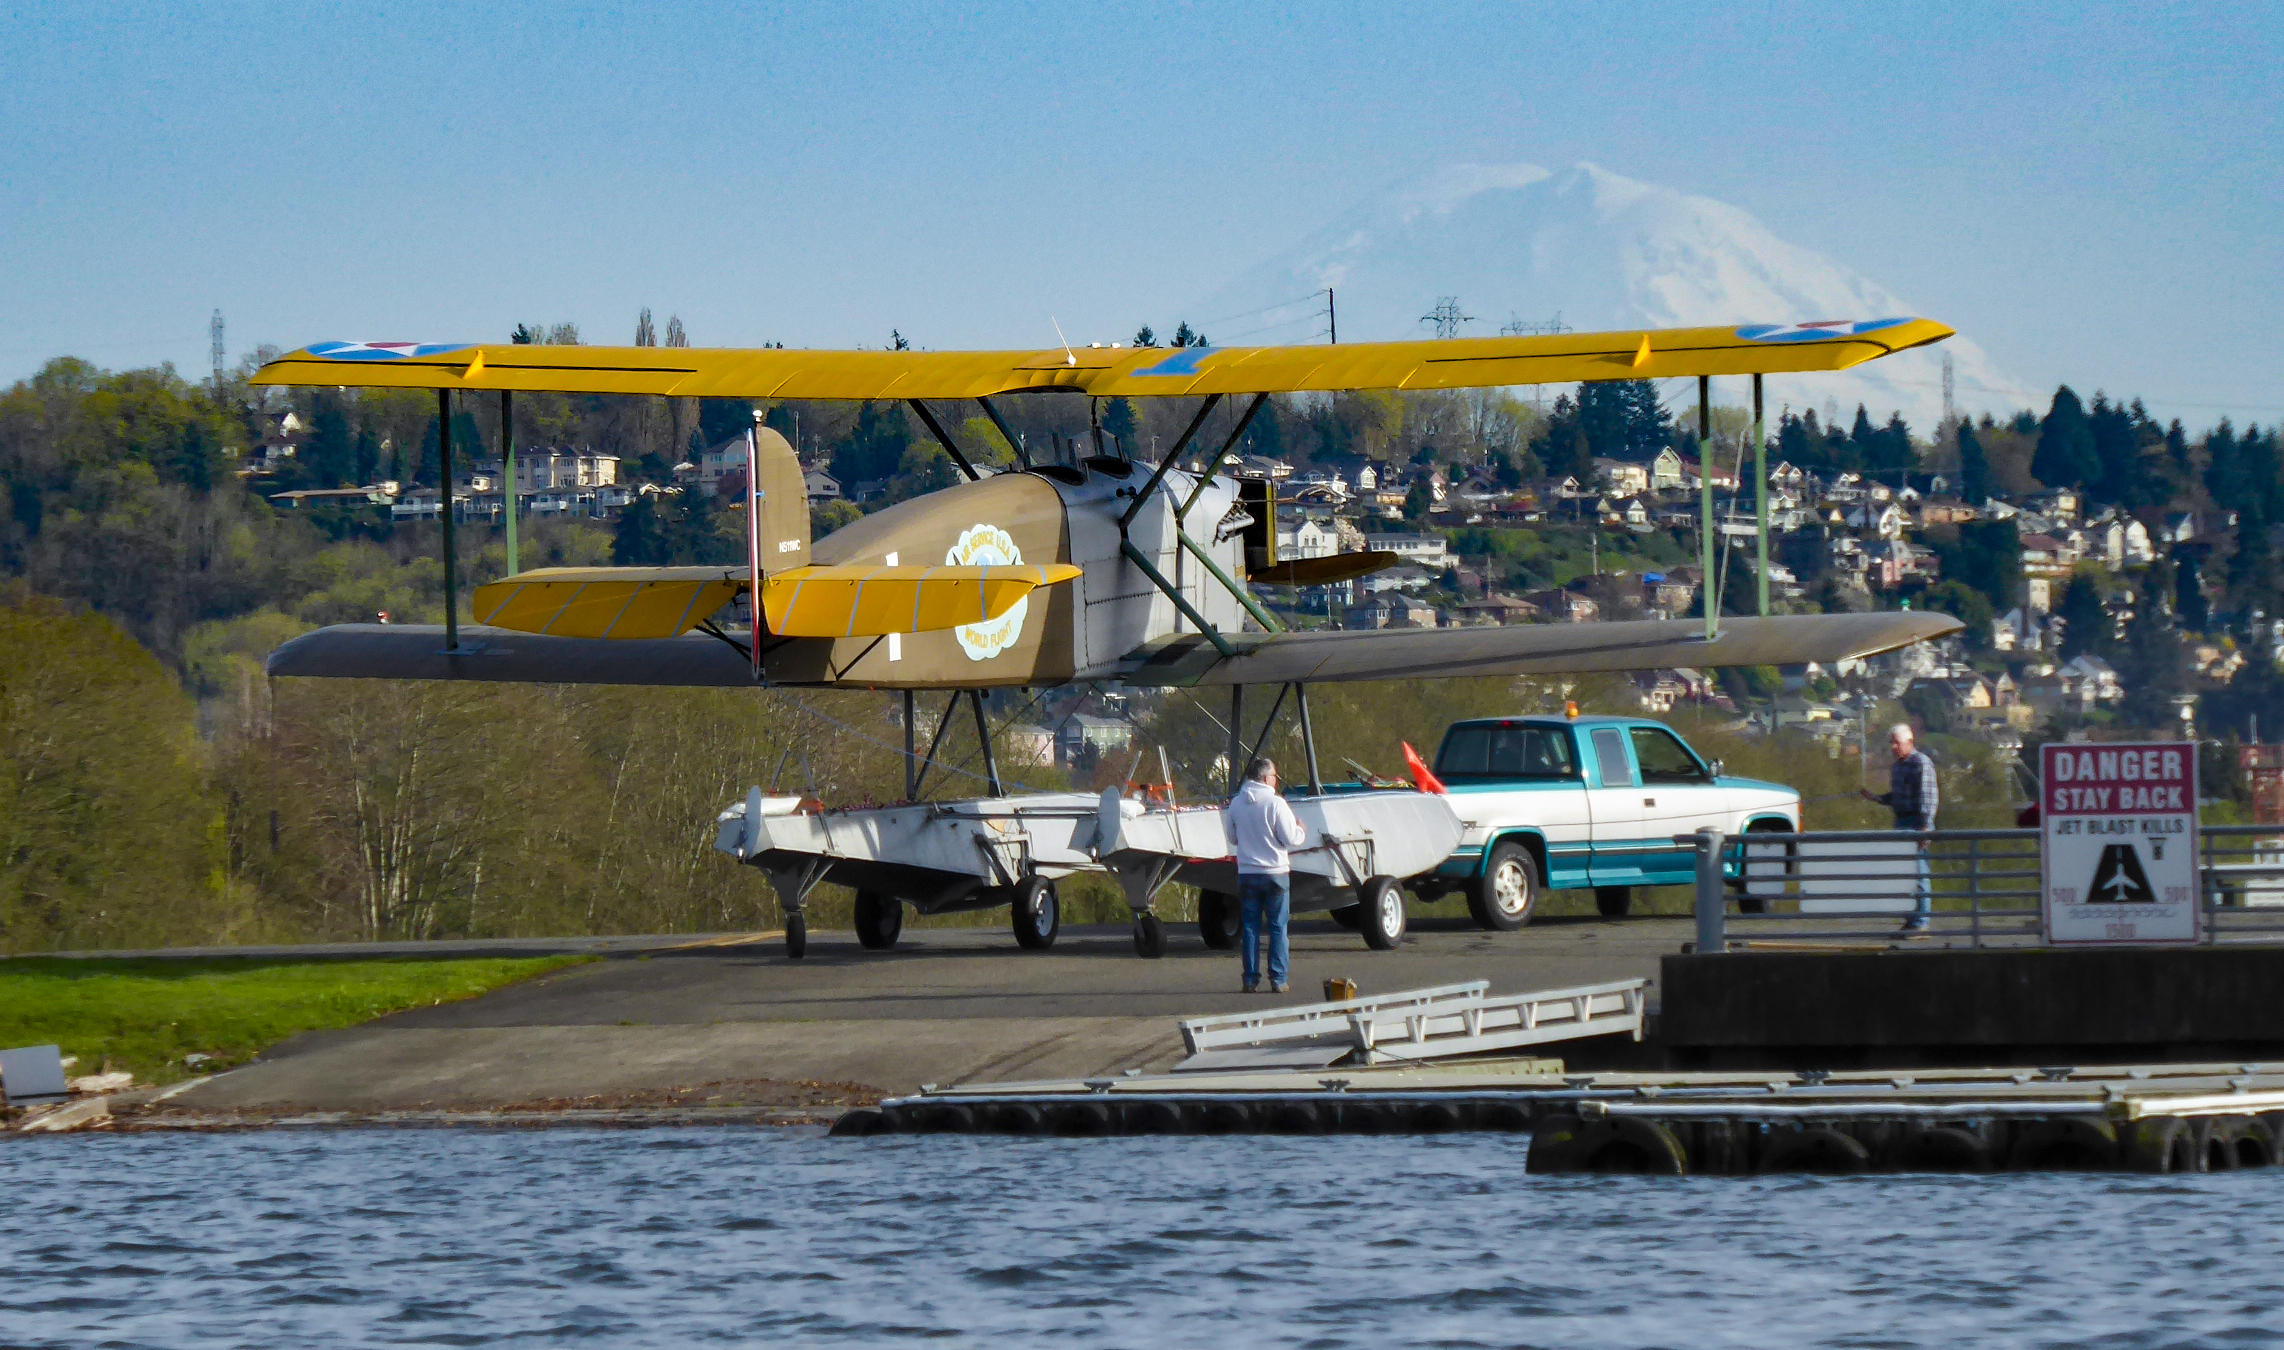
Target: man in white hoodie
{"x": 1262, "y": 826}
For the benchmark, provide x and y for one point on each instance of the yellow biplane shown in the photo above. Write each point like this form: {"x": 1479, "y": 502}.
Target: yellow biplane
{"x": 1099, "y": 567}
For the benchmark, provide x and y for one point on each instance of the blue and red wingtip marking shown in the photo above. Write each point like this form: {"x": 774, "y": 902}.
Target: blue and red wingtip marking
{"x": 1814, "y": 332}
{"x": 383, "y": 351}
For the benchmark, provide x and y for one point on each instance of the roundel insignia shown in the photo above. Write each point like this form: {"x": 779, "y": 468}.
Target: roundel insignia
{"x": 1814, "y": 332}
{"x": 382, "y": 351}
{"x": 978, "y": 546}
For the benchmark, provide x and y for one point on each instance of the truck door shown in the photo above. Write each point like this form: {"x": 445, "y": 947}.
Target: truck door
{"x": 1614, "y": 803}
{"x": 1678, "y": 796}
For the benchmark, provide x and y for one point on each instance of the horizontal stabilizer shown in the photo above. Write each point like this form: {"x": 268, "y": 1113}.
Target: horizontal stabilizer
{"x": 870, "y": 601}
{"x": 1530, "y": 649}
{"x": 1323, "y": 571}
{"x": 636, "y": 603}
{"x": 405, "y": 651}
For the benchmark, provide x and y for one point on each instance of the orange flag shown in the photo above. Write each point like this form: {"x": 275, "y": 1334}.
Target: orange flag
{"x": 1425, "y": 781}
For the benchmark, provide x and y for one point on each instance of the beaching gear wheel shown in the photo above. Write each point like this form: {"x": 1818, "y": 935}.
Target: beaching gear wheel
{"x": 1149, "y": 936}
{"x": 1382, "y": 903}
{"x": 796, "y": 935}
{"x": 1038, "y": 914}
{"x": 1217, "y": 920}
{"x": 879, "y": 919}
{"x": 1507, "y": 893}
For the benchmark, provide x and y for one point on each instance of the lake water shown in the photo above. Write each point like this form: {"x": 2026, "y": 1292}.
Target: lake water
{"x": 692, "y": 1237}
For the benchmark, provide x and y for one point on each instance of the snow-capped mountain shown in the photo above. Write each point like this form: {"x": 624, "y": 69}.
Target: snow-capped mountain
{"x": 1520, "y": 244}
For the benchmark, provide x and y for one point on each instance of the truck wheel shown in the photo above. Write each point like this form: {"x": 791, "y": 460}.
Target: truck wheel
{"x": 879, "y": 919}
{"x": 1507, "y": 893}
{"x": 1381, "y": 901}
{"x": 1038, "y": 914}
{"x": 1612, "y": 902}
{"x": 1758, "y": 904}
{"x": 1217, "y": 920}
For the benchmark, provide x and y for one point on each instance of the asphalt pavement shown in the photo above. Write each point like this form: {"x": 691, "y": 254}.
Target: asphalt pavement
{"x": 946, "y": 1005}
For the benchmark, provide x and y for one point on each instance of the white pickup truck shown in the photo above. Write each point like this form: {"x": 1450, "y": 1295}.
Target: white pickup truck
{"x": 1577, "y": 802}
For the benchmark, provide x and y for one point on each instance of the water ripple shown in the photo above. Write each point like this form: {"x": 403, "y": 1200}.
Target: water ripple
{"x": 718, "y": 1237}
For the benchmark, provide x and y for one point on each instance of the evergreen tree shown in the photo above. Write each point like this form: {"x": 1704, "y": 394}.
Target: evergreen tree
{"x": 2189, "y": 588}
{"x": 639, "y": 538}
{"x": 1145, "y": 337}
{"x": 1420, "y": 499}
{"x": 875, "y": 446}
{"x": 644, "y": 334}
{"x": 2066, "y": 456}
{"x": 1118, "y": 419}
{"x": 365, "y": 457}
{"x": 2153, "y": 663}
{"x": 329, "y": 459}
{"x": 1183, "y": 337}
{"x": 1974, "y": 467}
{"x": 2086, "y": 623}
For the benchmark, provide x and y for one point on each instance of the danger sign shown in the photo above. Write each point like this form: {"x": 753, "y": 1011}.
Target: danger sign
{"x": 2119, "y": 857}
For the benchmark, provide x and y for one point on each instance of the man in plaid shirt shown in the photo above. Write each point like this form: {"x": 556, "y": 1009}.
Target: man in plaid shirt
{"x": 1911, "y": 796}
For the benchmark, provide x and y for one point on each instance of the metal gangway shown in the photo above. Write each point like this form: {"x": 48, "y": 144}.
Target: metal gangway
{"x": 1444, "y": 1022}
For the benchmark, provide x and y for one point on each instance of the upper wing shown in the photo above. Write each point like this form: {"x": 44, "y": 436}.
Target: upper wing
{"x": 1454, "y": 363}
{"x": 1530, "y": 649}
{"x": 633, "y": 603}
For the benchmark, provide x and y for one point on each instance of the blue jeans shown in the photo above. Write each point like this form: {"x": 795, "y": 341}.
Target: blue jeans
{"x": 1923, "y": 887}
{"x": 1264, "y": 901}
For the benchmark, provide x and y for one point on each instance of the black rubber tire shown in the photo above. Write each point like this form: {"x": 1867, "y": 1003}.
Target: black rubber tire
{"x": 2065, "y": 1144}
{"x": 1083, "y": 1120}
{"x": 1293, "y": 1118}
{"x": 1225, "y": 1118}
{"x": 879, "y": 920}
{"x": 1946, "y": 1148}
{"x": 1437, "y": 1118}
{"x": 1155, "y": 1118}
{"x": 1017, "y": 1118}
{"x": 1511, "y": 1117}
{"x": 2161, "y": 1144}
{"x": 1036, "y": 914}
{"x": 1370, "y": 1118}
{"x": 857, "y": 1124}
{"x": 1217, "y": 920}
{"x": 1505, "y": 897}
{"x": 1149, "y": 936}
{"x": 1624, "y": 1145}
{"x": 1350, "y": 917}
{"x": 796, "y": 936}
{"x": 1613, "y": 902}
{"x": 1380, "y": 903}
{"x": 952, "y": 1119}
{"x": 1820, "y": 1150}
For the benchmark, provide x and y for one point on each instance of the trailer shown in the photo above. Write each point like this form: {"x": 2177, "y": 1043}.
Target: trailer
{"x": 981, "y": 853}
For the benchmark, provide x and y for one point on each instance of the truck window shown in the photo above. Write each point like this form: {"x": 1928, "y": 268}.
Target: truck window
{"x": 1610, "y": 753}
{"x": 1488, "y": 751}
{"x": 1664, "y": 759}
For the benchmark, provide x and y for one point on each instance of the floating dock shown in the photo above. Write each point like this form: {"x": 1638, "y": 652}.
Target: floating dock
{"x": 1431, "y": 1061}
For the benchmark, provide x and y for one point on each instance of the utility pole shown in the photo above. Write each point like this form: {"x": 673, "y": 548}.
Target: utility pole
{"x": 214, "y": 332}
{"x": 1331, "y": 317}
{"x": 1761, "y": 499}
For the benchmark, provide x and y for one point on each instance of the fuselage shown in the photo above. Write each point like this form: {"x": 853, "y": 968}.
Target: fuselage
{"x": 1080, "y": 631}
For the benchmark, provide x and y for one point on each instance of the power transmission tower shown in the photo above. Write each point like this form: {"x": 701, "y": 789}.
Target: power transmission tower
{"x": 1516, "y": 327}
{"x": 1446, "y": 316}
{"x": 214, "y": 331}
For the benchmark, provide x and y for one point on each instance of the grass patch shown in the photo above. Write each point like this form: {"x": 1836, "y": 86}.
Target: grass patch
{"x": 148, "y": 1015}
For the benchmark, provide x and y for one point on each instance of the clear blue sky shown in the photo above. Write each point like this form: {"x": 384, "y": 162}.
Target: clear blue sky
{"x": 2092, "y": 192}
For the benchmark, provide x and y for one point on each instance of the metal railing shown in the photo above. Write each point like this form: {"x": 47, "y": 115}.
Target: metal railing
{"x": 1838, "y": 887}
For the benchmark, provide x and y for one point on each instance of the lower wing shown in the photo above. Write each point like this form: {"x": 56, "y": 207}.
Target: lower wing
{"x": 1529, "y": 649}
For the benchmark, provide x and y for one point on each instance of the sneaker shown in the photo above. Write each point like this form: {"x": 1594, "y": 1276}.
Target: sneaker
{"x": 1280, "y": 989}
{"x": 1252, "y": 986}
{"x": 1914, "y": 930}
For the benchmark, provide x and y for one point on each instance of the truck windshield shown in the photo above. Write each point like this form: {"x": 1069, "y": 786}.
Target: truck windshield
{"x": 1489, "y": 751}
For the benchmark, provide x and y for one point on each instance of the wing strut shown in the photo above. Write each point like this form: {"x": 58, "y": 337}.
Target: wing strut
{"x": 951, "y": 447}
{"x": 444, "y": 515}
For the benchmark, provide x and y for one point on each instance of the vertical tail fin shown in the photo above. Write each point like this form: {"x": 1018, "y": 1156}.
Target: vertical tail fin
{"x": 777, "y": 517}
